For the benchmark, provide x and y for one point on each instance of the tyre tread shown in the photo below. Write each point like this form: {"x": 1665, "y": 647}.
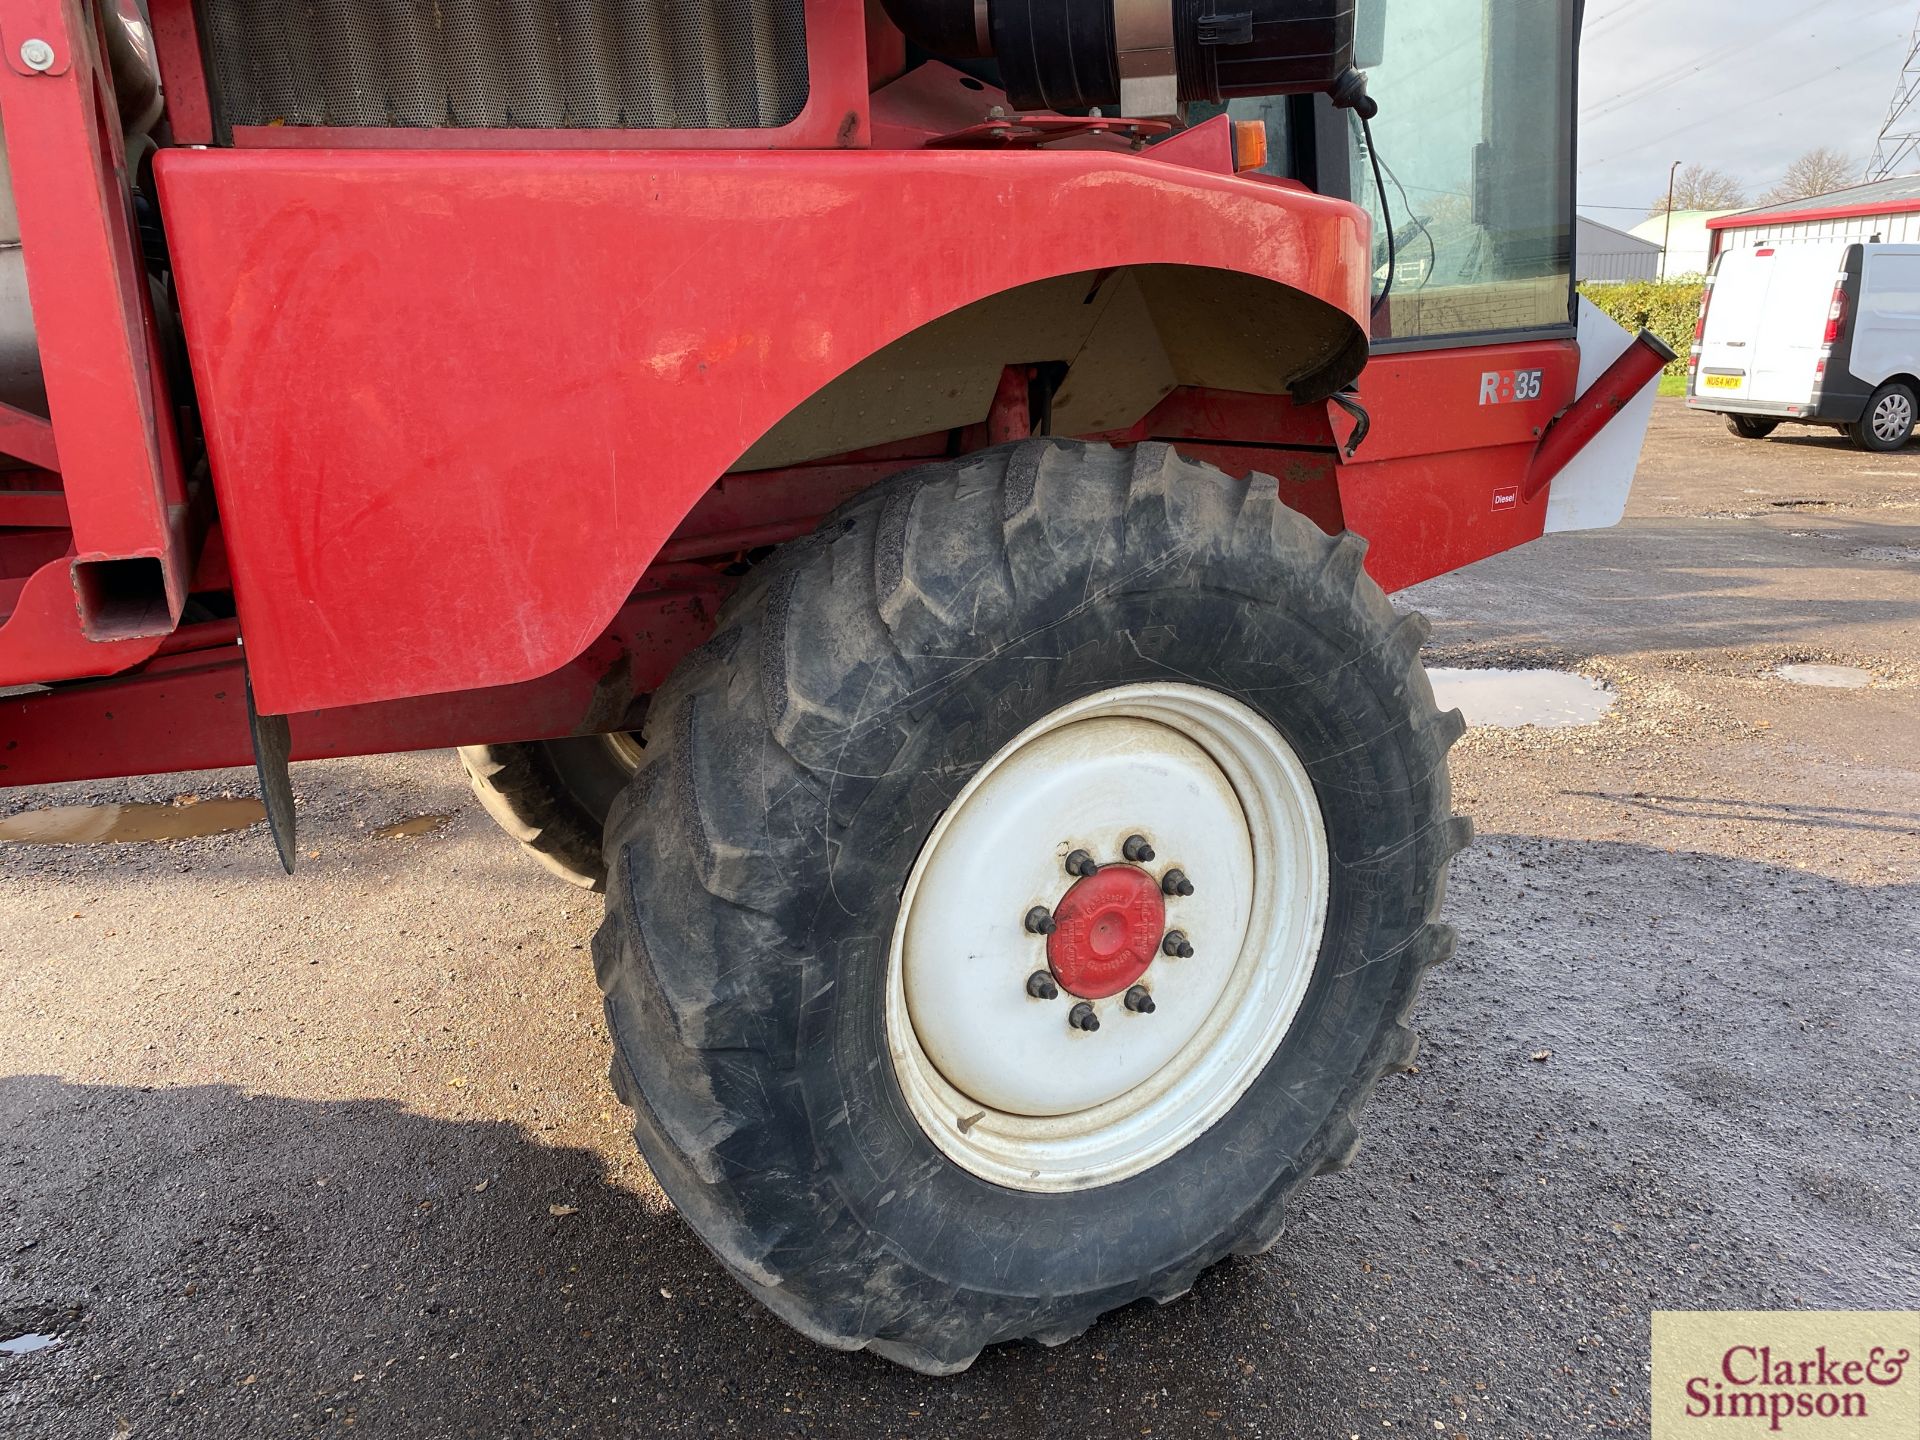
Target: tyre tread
{"x": 514, "y": 785}
{"x": 709, "y": 1113}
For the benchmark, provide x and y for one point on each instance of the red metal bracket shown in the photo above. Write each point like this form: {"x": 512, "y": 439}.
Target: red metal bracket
{"x": 28, "y": 437}
{"x": 183, "y": 72}
{"x": 111, "y": 433}
{"x": 1032, "y": 132}
{"x": 36, "y": 37}
{"x": 33, "y": 509}
{"x": 1011, "y": 417}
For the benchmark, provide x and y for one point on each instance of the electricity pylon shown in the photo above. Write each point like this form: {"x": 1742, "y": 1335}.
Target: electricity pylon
{"x": 1899, "y": 140}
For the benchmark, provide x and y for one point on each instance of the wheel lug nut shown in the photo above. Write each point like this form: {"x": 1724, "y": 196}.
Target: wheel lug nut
{"x": 1177, "y": 883}
{"x": 1040, "y": 921}
{"x": 1041, "y": 986}
{"x": 1081, "y": 1017}
{"x": 1137, "y": 850}
{"x": 1177, "y": 945}
{"x": 1140, "y": 1000}
{"x": 1081, "y": 863}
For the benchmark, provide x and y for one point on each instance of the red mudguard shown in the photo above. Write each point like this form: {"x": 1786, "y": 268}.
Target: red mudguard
{"x": 456, "y": 402}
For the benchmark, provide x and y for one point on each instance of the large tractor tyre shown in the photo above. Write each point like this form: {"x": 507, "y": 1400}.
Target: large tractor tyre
{"x": 1022, "y": 893}
{"x": 553, "y": 797}
{"x": 1751, "y": 427}
{"x": 1889, "y": 419}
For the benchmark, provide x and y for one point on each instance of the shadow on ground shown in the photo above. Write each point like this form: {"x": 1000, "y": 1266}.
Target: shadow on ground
{"x": 1790, "y": 816}
{"x": 1722, "y": 1116}
{"x": 1688, "y": 585}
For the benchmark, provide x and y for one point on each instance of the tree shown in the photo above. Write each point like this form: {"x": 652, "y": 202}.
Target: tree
{"x": 1818, "y": 172}
{"x": 1699, "y": 187}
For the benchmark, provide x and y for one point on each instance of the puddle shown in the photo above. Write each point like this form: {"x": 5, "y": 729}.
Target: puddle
{"x": 1899, "y": 554}
{"x": 130, "y": 824}
{"x": 1512, "y": 699}
{"x": 1827, "y": 677}
{"x": 408, "y": 829}
{"x": 27, "y": 1344}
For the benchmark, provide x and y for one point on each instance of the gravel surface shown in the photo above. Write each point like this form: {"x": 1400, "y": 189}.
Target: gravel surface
{"x": 286, "y": 1155}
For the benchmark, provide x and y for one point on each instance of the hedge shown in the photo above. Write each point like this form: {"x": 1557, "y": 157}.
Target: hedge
{"x": 1670, "y": 308}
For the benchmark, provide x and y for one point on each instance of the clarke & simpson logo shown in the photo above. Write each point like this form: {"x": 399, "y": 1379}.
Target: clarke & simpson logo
{"x": 1846, "y": 1375}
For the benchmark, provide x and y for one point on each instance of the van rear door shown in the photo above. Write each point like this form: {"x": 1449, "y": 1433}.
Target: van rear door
{"x": 1793, "y": 324}
{"x": 1767, "y": 323}
{"x": 1740, "y": 283}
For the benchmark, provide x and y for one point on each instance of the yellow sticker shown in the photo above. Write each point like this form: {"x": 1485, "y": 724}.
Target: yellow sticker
{"x": 1843, "y": 1374}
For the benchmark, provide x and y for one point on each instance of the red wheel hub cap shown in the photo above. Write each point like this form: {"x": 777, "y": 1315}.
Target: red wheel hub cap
{"x": 1107, "y": 929}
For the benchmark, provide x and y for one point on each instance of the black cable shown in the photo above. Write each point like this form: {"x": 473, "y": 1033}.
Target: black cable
{"x": 1386, "y": 212}
{"x": 1433, "y": 251}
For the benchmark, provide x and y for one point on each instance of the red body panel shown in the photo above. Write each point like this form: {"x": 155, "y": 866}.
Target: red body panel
{"x": 456, "y": 402}
{"x": 1439, "y": 481}
{"x": 462, "y": 398}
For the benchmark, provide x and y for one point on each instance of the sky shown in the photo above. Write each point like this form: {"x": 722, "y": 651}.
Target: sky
{"x": 1742, "y": 86}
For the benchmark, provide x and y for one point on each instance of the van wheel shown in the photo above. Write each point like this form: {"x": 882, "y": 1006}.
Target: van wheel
{"x": 553, "y": 797}
{"x": 1889, "y": 419}
{"x": 1022, "y": 893}
{"x": 1751, "y": 427}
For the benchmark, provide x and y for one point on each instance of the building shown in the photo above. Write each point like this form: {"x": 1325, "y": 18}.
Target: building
{"x": 1887, "y": 210}
{"x": 1688, "y": 242}
{"x": 1602, "y": 254}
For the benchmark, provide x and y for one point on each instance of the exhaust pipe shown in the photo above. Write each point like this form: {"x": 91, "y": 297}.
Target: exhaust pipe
{"x": 1638, "y": 367}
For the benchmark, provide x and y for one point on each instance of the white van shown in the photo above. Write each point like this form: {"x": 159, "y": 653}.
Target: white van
{"x": 1818, "y": 334}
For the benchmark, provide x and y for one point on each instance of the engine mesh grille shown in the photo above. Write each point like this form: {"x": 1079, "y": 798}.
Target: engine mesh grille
{"x": 509, "y": 64}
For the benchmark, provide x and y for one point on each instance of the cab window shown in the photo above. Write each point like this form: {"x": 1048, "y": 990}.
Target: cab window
{"x": 1474, "y": 141}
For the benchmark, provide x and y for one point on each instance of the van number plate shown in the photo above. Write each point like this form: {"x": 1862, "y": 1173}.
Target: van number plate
{"x": 1723, "y": 382}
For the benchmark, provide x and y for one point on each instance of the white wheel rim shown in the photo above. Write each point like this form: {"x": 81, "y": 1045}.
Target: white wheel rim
{"x": 1893, "y": 417}
{"x": 997, "y": 1078}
